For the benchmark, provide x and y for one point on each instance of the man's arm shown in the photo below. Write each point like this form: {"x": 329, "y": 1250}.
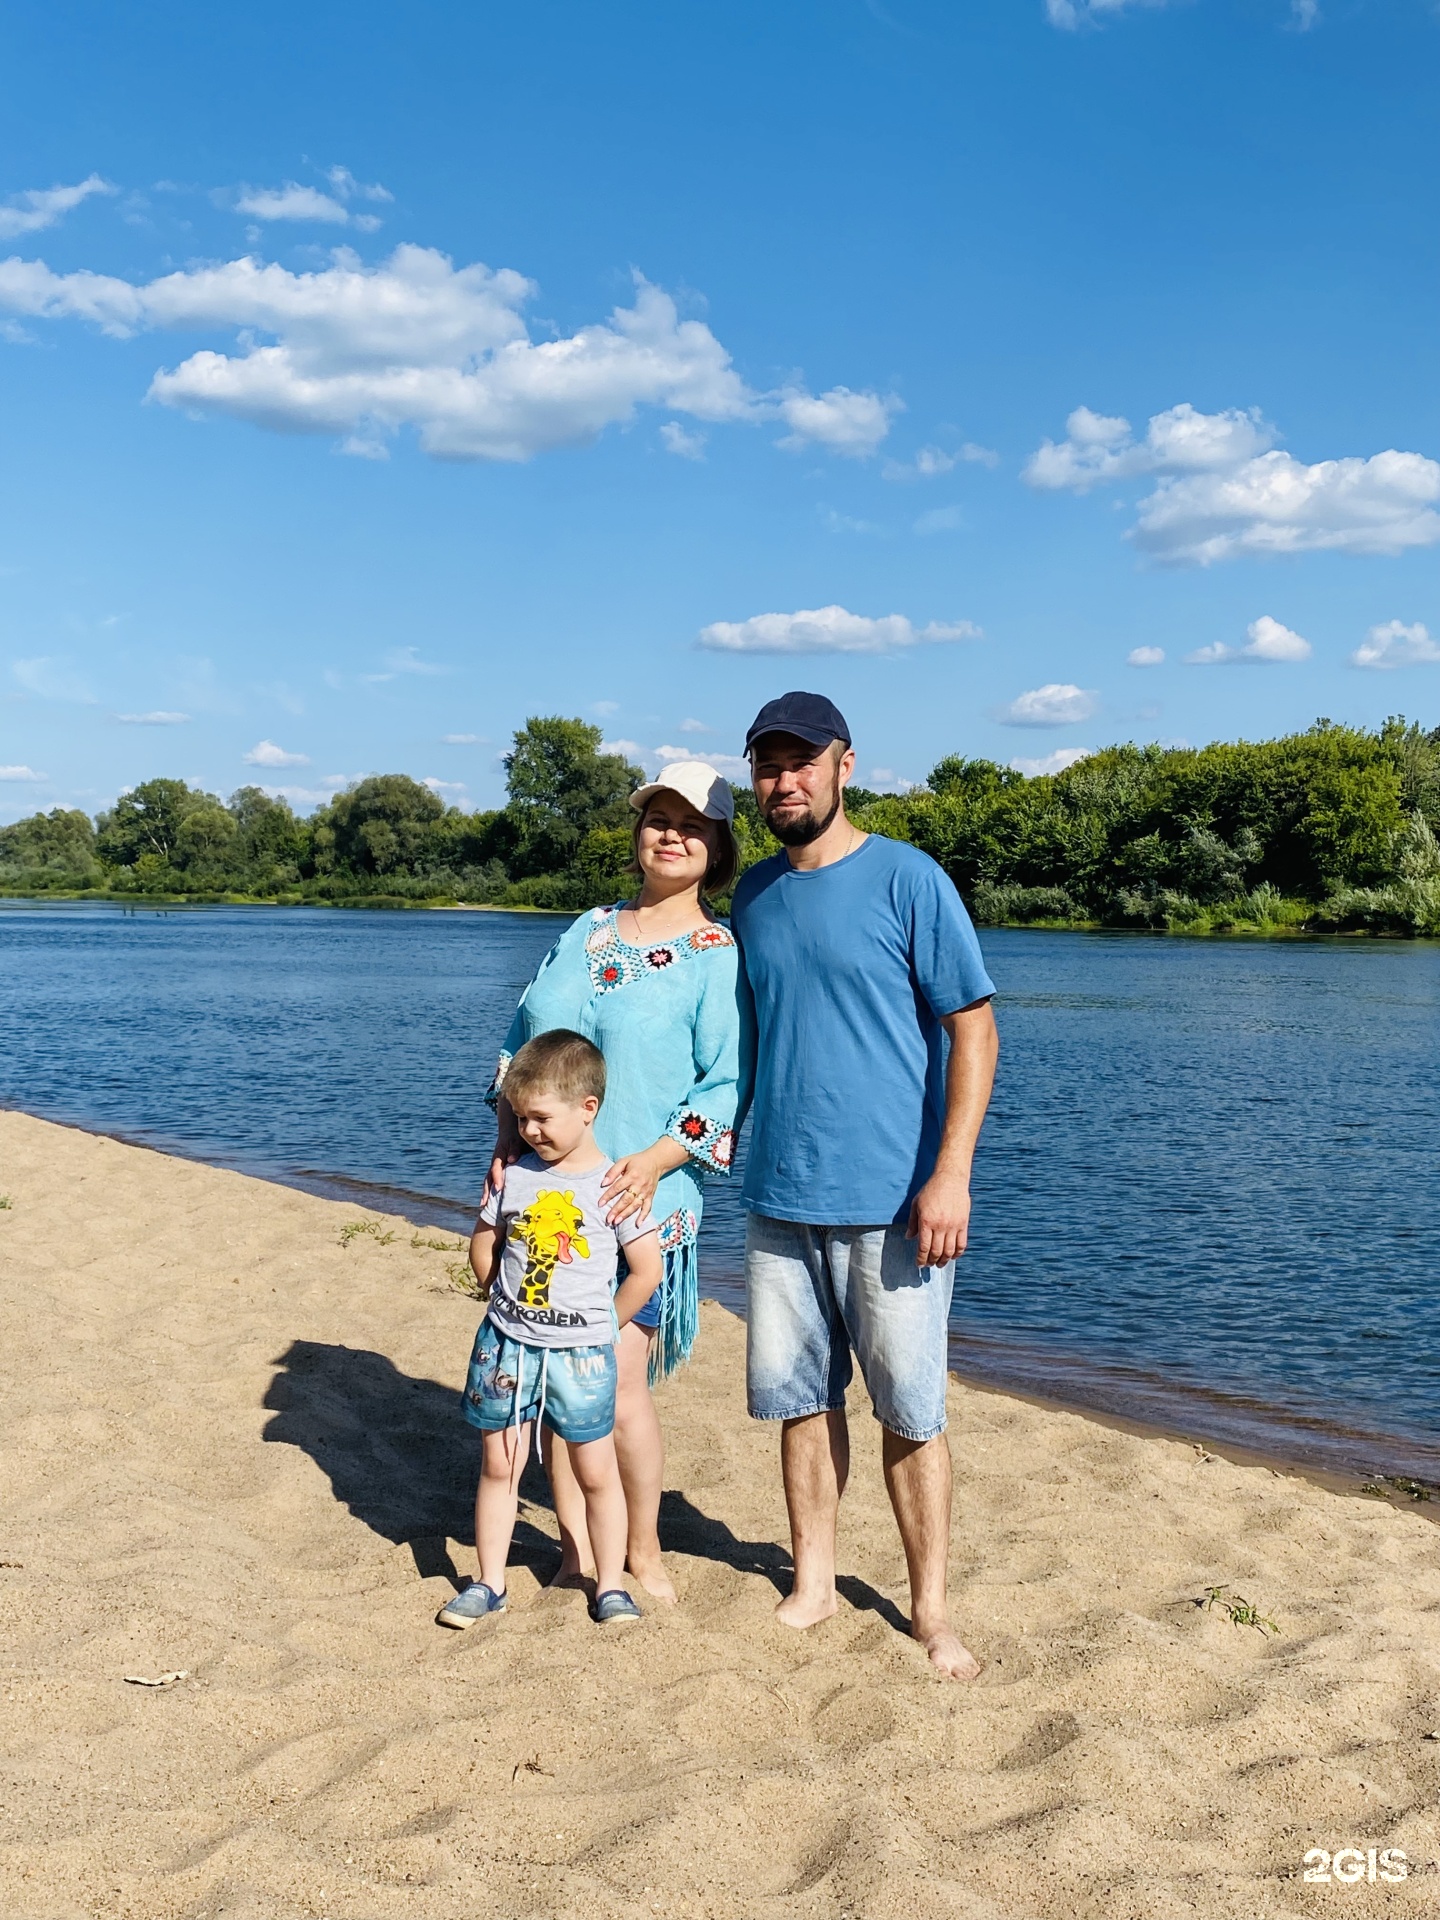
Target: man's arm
{"x": 940, "y": 1212}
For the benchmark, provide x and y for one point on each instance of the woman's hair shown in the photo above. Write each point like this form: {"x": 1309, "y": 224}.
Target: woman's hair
{"x": 558, "y": 1062}
{"x": 724, "y": 865}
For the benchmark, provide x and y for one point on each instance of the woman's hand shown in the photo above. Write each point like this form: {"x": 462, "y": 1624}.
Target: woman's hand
{"x": 508, "y": 1148}
{"x": 630, "y": 1185}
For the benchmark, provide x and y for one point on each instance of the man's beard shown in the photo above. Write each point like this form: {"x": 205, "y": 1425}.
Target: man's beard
{"x": 809, "y": 826}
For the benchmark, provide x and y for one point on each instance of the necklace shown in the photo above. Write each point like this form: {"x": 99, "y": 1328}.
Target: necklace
{"x": 640, "y": 934}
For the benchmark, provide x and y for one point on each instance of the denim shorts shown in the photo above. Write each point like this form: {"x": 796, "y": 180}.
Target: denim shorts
{"x": 577, "y": 1385}
{"x": 814, "y": 1294}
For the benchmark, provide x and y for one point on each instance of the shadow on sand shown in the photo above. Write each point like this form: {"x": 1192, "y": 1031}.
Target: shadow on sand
{"x": 397, "y": 1451}
{"x": 401, "y": 1457}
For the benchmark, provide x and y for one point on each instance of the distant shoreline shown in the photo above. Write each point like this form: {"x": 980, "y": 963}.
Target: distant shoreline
{"x": 396, "y": 903}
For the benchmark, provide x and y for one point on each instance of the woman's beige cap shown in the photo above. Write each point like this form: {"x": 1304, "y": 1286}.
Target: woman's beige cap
{"x": 696, "y": 781}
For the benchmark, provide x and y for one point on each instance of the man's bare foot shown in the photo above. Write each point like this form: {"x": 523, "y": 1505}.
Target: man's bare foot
{"x": 950, "y": 1660}
{"x": 571, "y": 1576}
{"x": 654, "y": 1579}
{"x": 802, "y": 1610}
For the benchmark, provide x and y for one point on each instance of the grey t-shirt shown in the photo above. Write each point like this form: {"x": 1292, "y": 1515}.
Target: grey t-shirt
{"x": 557, "y": 1266}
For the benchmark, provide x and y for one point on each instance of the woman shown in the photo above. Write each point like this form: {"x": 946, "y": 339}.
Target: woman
{"x": 652, "y": 982}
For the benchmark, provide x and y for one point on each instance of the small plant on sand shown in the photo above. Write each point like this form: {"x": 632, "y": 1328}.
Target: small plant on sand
{"x": 440, "y": 1246}
{"x": 353, "y": 1229}
{"x": 1400, "y": 1483}
{"x": 6, "y": 1203}
{"x": 462, "y": 1278}
{"x": 1240, "y": 1613}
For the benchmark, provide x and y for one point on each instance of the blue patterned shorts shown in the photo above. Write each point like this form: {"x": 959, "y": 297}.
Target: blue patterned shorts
{"x": 576, "y": 1384}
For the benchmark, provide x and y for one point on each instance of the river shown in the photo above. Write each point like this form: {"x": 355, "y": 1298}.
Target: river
{"x": 1207, "y": 1197}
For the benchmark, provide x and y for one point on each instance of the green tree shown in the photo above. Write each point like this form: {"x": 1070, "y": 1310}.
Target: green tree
{"x": 385, "y": 824}
{"x": 147, "y": 821}
{"x": 60, "y": 843}
{"x": 561, "y": 786}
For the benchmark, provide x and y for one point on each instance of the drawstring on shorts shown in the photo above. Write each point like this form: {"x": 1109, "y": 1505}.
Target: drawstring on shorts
{"x": 515, "y": 1408}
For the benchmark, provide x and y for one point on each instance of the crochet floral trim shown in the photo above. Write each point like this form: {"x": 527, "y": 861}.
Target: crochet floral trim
{"x": 615, "y": 963}
{"x": 704, "y": 1139}
{"x": 492, "y": 1092}
{"x": 678, "y": 1229}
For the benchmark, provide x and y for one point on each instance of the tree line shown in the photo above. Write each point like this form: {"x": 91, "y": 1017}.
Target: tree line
{"x": 1332, "y": 829}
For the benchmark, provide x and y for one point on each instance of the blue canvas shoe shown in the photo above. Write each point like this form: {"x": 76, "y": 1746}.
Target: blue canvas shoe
{"x": 477, "y": 1602}
{"x": 614, "y": 1608}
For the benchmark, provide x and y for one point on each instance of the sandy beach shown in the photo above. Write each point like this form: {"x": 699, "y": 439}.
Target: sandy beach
{"x": 232, "y": 1450}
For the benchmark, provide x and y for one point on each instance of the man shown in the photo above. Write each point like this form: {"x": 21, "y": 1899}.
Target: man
{"x": 861, "y": 961}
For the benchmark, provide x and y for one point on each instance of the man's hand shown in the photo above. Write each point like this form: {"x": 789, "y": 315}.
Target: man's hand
{"x": 940, "y": 1219}
{"x": 940, "y": 1212}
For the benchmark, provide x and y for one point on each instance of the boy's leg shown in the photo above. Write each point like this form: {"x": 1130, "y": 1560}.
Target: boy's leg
{"x": 577, "y": 1560}
{"x": 497, "y": 1500}
{"x": 598, "y": 1471}
{"x": 641, "y": 1454}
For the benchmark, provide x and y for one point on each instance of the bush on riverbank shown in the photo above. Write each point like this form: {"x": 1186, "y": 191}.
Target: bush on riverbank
{"x": 1332, "y": 829}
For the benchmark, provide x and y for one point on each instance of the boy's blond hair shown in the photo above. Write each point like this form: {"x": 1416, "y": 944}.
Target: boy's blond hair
{"x": 559, "y": 1062}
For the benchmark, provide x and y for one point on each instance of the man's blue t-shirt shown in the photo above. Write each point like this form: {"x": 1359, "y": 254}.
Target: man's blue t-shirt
{"x": 850, "y": 968}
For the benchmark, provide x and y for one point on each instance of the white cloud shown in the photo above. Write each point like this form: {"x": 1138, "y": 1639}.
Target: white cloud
{"x": 1099, "y": 447}
{"x": 1071, "y": 15}
{"x": 733, "y": 765}
{"x": 1057, "y": 704}
{"x": 1055, "y": 762}
{"x": 1221, "y": 489}
{"x": 827, "y": 630}
{"x": 41, "y": 207}
{"x": 844, "y": 421}
{"x": 930, "y": 462}
{"x": 1304, "y": 14}
{"x": 299, "y": 796}
{"x": 51, "y": 679}
{"x": 443, "y": 786}
{"x": 349, "y": 188}
{"x": 21, "y": 773}
{"x": 605, "y": 706}
{"x": 265, "y": 753}
{"x": 296, "y": 202}
{"x": 362, "y": 351}
{"x": 941, "y": 520}
{"x": 834, "y": 522}
{"x": 679, "y": 440}
{"x": 1396, "y": 645}
{"x": 886, "y": 780}
{"x": 291, "y": 202}
{"x": 156, "y": 719}
{"x": 1268, "y": 641}
{"x": 655, "y": 759}
{"x": 695, "y": 726}
{"x": 1145, "y": 657}
{"x": 462, "y": 740}
{"x": 407, "y": 660}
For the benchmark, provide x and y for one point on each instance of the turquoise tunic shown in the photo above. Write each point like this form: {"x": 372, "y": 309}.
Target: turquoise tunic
{"x": 666, "y": 1019}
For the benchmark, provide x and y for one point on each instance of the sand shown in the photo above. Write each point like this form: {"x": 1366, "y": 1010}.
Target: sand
{"x": 232, "y": 1448}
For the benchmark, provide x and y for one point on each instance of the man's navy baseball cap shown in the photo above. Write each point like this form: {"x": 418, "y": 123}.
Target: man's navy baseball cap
{"x": 809, "y": 716}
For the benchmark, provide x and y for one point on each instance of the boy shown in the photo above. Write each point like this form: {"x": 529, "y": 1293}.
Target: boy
{"x": 546, "y": 1347}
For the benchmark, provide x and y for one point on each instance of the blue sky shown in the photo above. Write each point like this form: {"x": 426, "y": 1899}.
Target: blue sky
{"x": 382, "y": 376}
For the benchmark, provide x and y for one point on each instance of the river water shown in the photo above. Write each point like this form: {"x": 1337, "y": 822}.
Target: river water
{"x": 1208, "y": 1193}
